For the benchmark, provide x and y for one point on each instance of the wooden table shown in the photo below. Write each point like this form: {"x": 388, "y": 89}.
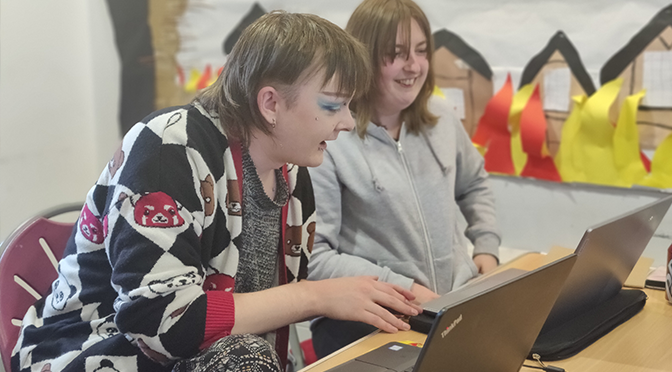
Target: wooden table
{"x": 643, "y": 343}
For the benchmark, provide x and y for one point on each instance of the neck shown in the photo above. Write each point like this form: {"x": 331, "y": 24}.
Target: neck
{"x": 391, "y": 123}
{"x": 261, "y": 152}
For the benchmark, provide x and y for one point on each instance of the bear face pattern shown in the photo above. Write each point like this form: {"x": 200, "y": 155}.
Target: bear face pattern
{"x": 61, "y": 292}
{"x": 106, "y": 365}
{"x": 107, "y": 329}
{"x": 311, "y": 236}
{"x": 208, "y": 195}
{"x": 157, "y": 209}
{"x": 293, "y": 241}
{"x": 162, "y": 287}
{"x": 233, "y": 201}
{"x": 293, "y": 238}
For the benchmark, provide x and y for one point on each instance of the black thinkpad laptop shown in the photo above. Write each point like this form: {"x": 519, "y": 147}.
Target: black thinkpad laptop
{"x": 492, "y": 330}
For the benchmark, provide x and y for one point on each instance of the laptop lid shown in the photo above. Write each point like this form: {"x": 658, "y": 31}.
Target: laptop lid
{"x": 607, "y": 254}
{"x": 433, "y": 307}
{"x": 494, "y": 330}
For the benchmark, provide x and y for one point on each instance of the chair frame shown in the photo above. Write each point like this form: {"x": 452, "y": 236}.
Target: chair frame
{"x": 23, "y": 281}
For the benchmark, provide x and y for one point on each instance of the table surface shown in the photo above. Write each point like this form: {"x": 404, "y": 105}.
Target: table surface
{"x": 643, "y": 343}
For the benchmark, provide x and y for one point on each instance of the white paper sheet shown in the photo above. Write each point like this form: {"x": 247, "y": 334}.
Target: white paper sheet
{"x": 658, "y": 78}
{"x": 557, "y": 83}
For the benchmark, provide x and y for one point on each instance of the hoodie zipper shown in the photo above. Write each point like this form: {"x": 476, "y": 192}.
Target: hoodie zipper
{"x": 400, "y": 151}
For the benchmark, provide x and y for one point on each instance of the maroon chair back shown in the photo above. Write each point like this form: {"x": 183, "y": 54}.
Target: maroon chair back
{"x": 31, "y": 255}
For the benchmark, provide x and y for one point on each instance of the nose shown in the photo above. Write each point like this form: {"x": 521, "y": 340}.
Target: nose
{"x": 347, "y": 124}
{"x": 412, "y": 63}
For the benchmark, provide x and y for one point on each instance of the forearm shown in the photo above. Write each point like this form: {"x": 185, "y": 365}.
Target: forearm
{"x": 267, "y": 310}
{"x": 362, "y": 299}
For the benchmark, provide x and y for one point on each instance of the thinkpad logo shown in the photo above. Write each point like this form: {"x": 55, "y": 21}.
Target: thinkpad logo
{"x": 451, "y": 326}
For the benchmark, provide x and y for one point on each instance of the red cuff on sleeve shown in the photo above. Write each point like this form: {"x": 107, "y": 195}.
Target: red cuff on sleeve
{"x": 219, "y": 318}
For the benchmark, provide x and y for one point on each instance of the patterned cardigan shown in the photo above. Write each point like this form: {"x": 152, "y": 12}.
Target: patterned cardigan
{"x": 148, "y": 272}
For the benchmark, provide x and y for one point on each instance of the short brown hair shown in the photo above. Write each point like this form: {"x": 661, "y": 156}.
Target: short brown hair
{"x": 375, "y": 24}
{"x": 281, "y": 49}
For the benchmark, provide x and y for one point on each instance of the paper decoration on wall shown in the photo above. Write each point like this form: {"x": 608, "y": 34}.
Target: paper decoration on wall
{"x": 645, "y": 62}
{"x": 566, "y": 161}
{"x": 464, "y": 77}
{"x": 202, "y": 74}
{"x": 255, "y": 13}
{"x": 595, "y": 138}
{"x": 596, "y": 150}
{"x": 134, "y": 43}
{"x": 520, "y": 100}
{"x": 533, "y": 138}
{"x": 627, "y": 155}
{"x": 492, "y": 134}
{"x": 560, "y": 74}
{"x": 661, "y": 166}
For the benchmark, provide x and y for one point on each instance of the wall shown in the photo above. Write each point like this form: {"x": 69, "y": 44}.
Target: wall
{"x": 536, "y": 215}
{"x": 58, "y": 103}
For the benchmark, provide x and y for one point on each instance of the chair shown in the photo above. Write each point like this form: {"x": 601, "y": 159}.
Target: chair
{"x": 28, "y": 266}
{"x": 302, "y": 353}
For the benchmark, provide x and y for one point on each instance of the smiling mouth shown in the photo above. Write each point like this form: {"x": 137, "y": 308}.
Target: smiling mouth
{"x": 406, "y": 82}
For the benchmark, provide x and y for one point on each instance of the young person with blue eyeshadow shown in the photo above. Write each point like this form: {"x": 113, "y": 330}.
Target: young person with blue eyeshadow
{"x": 389, "y": 195}
{"x": 192, "y": 246}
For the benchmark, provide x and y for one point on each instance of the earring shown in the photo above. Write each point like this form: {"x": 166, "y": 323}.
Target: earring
{"x": 273, "y": 123}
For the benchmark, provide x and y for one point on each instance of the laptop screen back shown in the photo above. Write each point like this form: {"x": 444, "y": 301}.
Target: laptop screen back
{"x": 607, "y": 253}
{"x": 494, "y": 331}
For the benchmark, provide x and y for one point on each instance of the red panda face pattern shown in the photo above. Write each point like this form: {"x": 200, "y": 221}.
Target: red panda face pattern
{"x": 106, "y": 226}
{"x": 90, "y": 226}
{"x": 116, "y": 162}
{"x": 157, "y": 209}
{"x": 219, "y": 282}
{"x": 151, "y": 354}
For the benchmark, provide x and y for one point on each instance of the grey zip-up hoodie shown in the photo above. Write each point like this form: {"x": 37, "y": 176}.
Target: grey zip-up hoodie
{"x": 390, "y": 209}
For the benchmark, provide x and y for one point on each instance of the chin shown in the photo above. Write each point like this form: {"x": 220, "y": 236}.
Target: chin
{"x": 315, "y": 160}
{"x": 407, "y": 102}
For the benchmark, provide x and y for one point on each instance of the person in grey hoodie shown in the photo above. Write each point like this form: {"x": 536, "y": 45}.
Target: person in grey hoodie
{"x": 389, "y": 195}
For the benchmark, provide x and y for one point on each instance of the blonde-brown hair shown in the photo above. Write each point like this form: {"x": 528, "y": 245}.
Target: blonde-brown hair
{"x": 375, "y": 24}
{"x": 282, "y": 50}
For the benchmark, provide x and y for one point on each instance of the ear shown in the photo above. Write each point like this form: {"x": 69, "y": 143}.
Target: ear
{"x": 268, "y": 101}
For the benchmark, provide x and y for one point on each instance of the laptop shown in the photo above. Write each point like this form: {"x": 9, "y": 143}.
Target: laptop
{"x": 488, "y": 331}
{"x": 607, "y": 253}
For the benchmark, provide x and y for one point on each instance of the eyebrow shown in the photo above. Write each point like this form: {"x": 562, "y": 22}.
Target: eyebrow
{"x": 403, "y": 46}
{"x": 336, "y": 94}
